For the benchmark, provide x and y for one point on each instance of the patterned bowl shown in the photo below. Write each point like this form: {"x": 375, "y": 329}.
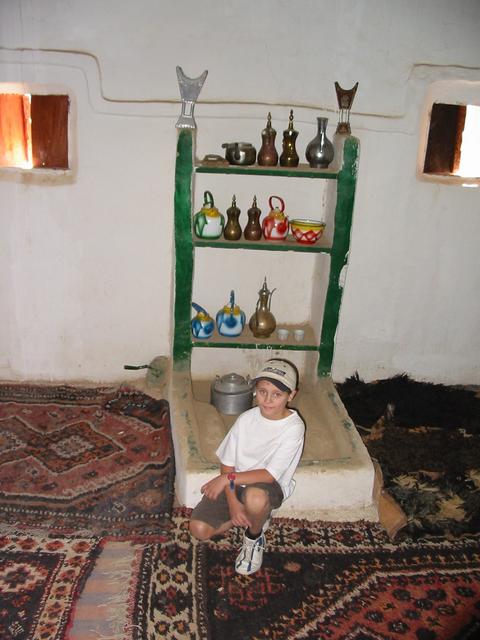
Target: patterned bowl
{"x": 306, "y": 231}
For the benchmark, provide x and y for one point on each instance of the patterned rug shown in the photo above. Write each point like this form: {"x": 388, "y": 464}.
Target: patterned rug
{"x": 327, "y": 581}
{"x": 88, "y": 461}
{"x": 40, "y": 579}
{"x": 426, "y": 438}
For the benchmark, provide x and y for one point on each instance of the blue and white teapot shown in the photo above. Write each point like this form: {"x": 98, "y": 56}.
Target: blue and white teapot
{"x": 202, "y": 323}
{"x": 230, "y": 319}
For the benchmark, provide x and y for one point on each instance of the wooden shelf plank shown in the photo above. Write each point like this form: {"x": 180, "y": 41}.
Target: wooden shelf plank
{"x": 322, "y": 246}
{"x": 248, "y": 341}
{"x": 302, "y": 171}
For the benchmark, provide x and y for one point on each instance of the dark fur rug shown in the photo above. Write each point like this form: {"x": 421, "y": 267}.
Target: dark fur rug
{"x": 416, "y": 404}
{"x": 426, "y": 438}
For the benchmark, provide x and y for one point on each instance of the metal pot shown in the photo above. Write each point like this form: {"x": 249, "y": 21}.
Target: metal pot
{"x": 232, "y": 393}
{"x": 241, "y": 153}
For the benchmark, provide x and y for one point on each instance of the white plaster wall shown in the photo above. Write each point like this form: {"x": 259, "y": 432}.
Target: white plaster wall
{"x": 86, "y": 262}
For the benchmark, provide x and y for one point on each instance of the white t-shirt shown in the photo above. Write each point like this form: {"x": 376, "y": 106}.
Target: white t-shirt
{"x": 255, "y": 442}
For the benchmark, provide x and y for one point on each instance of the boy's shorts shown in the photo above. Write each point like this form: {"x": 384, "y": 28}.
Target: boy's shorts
{"x": 216, "y": 512}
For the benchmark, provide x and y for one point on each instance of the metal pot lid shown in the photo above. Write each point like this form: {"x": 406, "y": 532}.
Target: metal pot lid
{"x": 240, "y": 145}
{"x": 232, "y": 383}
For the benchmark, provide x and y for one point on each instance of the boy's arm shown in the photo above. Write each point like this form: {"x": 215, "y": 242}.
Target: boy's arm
{"x": 236, "y": 508}
{"x": 214, "y": 487}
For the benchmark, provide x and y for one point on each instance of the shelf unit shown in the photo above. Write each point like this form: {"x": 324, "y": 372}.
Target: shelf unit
{"x": 186, "y": 243}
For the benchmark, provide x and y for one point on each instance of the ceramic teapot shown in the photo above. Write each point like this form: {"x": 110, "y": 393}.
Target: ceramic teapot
{"x": 202, "y": 323}
{"x": 208, "y": 222}
{"x": 230, "y": 319}
{"x": 275, "y": 224}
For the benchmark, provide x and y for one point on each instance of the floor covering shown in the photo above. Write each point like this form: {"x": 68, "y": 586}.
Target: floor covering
{"x": 426, "y": 438}
{"x": 125, "y": 574}
{"x": 74, "y": 460}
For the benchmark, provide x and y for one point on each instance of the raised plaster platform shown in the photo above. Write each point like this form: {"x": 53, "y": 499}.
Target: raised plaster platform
{"x": 335, "y": 477}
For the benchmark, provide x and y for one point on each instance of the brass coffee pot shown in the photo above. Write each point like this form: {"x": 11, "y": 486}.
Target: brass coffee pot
{"x": 262, "y": 323}
{"x": 289, "y": 157}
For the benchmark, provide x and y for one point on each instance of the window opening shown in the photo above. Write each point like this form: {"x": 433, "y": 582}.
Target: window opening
{"x": 453, "y": 141}
{"x": 34, "y": 131}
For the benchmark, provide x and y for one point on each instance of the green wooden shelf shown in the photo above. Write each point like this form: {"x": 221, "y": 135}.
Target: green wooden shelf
{"x": 302, "y": 171}
{"x": 185, "y": 244}
{"x": 268, "y": 245}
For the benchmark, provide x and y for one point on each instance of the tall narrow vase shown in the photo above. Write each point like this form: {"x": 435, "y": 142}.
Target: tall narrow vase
{"x": 319, "y": 151}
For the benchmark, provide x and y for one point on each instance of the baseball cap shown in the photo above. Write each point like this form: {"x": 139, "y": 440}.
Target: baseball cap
{"x": 281, "y": 373}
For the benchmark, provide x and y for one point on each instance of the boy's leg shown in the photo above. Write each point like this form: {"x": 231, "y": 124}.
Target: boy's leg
{"x": 203, "y": 531}
{"x": 210, "y": 518}
{"x": 259, "y": 500}
{"x": 257, "y": 507}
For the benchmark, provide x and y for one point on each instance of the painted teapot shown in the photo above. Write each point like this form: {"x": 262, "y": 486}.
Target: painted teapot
{"x": 208, "y": 222}
{"x": 230, "y": 319}
{"x": 202, "y": 323}
{"x": 275, "y": 224}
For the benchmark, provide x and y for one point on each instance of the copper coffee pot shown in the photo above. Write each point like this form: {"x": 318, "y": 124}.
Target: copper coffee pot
{"x": 233, "y": 230}
{"x": 253, "y": 230}
{"x": 268, "y": 156}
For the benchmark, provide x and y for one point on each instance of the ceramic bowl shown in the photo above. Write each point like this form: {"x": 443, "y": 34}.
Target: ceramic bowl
{"x": 306, "y": 231}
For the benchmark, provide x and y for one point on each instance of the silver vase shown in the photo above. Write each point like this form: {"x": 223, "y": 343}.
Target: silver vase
{"x": 319, "y": 151}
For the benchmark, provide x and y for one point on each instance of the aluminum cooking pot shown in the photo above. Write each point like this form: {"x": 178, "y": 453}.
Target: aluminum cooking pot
{"x": 232, "y": 393}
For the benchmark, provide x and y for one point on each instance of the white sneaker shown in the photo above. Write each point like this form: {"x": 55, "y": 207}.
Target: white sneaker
{"x": 250, "y": 557}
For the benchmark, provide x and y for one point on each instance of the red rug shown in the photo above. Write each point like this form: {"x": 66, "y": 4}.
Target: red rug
{"x": 40, "y": 579}
{"x": 94, "y": 461}
{"x": 327, "y": 581}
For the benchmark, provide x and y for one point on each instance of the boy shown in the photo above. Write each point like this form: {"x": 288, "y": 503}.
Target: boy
{"x": 258, "y": 458}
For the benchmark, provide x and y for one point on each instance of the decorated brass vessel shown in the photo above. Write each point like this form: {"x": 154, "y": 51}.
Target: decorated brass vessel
{"x": 262, "y": 323}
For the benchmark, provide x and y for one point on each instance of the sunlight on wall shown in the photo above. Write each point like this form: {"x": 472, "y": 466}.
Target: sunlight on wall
{"x": 469, "y": 166}
{"x": 16, "y": 131}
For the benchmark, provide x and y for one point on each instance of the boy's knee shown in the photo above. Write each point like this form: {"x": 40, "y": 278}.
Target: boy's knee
{"x": 256, "y": 500}
{"x": 200, "y": 530}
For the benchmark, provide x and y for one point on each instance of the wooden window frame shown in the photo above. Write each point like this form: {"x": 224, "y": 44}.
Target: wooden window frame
{"x": 442, "y": 155}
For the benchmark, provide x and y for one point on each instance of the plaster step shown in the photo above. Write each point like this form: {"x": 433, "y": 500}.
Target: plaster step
{"x": 335, "y": 477}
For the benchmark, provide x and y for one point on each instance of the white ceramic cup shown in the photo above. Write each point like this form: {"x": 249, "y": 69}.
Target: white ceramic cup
{"x": 299, "y": 334}
{"x": 282, "y": 334}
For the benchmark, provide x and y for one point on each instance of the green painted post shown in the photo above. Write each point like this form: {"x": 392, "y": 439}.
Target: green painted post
{"x": 182, "y": 344}
{"x": 346, "y": 184}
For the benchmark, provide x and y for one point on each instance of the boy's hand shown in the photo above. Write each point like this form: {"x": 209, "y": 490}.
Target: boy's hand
{"x": 237, "y": 514}
{"x": 213, "y": 488}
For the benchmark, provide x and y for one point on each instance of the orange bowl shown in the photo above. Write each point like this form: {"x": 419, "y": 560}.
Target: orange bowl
{"x": 306, "y": 231}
